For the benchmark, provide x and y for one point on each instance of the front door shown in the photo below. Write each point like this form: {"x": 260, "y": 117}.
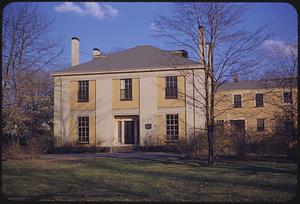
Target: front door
{"x": 240, "y": 130}
{"x": 239, "y": 126}
{"x": 129, "y": 132}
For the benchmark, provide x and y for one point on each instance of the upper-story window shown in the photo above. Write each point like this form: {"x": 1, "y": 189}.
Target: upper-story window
{"x": 83, "y": 129}
{"x": 126, "y": 89}
{"x": 287, "y": 97}
{"x": 171, "y": 87}
{"x": 237, "y": 101}
{"x": 83, "y": 91}
{"x": 259, "y": 99}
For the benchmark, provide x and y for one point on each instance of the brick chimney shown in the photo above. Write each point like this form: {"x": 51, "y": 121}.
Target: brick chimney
{"x": 96, "y": 53}
{"x": 235, "y": 77}
{"x": 74, "y": 51}
{"x": 202, "y": 44}
{"x": 181, "y": 53}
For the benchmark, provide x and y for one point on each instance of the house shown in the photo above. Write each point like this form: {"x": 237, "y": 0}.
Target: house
{"x": 256, "y": 106}
{"x": 134, "y": 97}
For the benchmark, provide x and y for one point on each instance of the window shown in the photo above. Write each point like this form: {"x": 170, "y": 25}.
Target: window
{"x": 171, "y": 87}
{"x": 259, "y": 98}
{"x": 260, "y": 125}
{"x": 172, "y": 127}
{"x": 83, "y": 91}
{"x": 83, "y": 129}
{"x": 237, "y": 101}
{"x": 220, "y": 125}
{"x": 126, "y": 89}
{"x": 287, "y": 97}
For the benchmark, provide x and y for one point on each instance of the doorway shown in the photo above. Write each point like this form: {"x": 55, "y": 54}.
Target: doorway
{"x": 239, "y": 126}
{"x": 128, "y": 130}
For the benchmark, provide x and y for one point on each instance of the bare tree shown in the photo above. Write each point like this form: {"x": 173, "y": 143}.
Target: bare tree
{"x": 231, "y": 47}
{"x": 27, "y": 55}
{"x": 283, "y": 73}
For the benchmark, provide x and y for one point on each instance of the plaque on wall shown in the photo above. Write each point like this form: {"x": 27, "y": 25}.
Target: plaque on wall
{"x": 148, "y": 126}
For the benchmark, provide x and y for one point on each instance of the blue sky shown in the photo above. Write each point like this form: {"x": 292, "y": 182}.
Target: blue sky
{"x": 110, "y": 26}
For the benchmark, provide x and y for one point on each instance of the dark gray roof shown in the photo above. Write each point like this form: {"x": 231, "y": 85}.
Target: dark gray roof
{"x": 255, "y": 84}
{"x": 140, "y": 57}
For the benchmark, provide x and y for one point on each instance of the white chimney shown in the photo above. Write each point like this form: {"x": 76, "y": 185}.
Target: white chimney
{"x": 96, "y": 53}
{"x": 201, "y": 43}
{"x": 75, "y": 51}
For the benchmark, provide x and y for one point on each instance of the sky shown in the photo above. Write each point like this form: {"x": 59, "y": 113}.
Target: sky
{"x": 111, "y": 26}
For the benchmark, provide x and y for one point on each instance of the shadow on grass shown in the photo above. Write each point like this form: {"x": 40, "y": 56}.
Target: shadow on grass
{"x": 228, "y": 176}
{"x": 206, "y": 174}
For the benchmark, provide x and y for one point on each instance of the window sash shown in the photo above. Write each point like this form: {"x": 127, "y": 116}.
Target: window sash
{"x": 126, "y": 89}
{"x": 172, "y": 127}
{"x": 171, "y": 90}
{"x": 287, "y": 97}
{"x": 83, "y": 129}
{"x": 260, "y": 125}
{"x": 237, "y": 103}
{"x": 259, "y": 98}
{"x": 83, "y": 91}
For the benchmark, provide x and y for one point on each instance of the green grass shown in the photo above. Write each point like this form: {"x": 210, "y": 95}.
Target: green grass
{"x": 119, "y": 179}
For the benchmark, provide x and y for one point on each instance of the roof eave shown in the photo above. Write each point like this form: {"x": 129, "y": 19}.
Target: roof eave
{"x": 130, "y": 70}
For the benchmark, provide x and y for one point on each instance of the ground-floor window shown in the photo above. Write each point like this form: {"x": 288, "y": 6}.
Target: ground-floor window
{"x": 260, "y": 125}
{"x": 172, "y": 127}
{"x": 220, "y": 125}
{"x": 83, "y": 129}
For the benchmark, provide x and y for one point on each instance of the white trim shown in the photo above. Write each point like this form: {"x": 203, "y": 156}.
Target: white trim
{"x": 237, "y": 93}
{"x": 265, "y": 125}
{"x": 254, "y": 102}
{"x": 240, "y": 118}
{"x": 122, "y": 120}
{"x": 135, "y": 111}
{"x": 170, "y": 110}
{"x": 129, "y": 70}
{"x": 282, "y": 97}
{"x": 83, "y": 112}
{"x": 165, "y": 127}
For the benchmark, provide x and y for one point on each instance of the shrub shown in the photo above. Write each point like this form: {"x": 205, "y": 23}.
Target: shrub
{"x": 194, "y": 146}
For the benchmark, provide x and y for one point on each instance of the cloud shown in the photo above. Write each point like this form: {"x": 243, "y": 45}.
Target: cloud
{"x": 93, "y": 9}
{"x": 111, "y": 11}
{"x": 285, "y": 48}
{"x": 68, "y": 7}
{"x": 153, "y": 27}
{"x": 274, "y": 43}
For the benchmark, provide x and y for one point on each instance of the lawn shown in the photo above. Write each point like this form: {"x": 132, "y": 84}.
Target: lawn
{"x": 129, "y": 179}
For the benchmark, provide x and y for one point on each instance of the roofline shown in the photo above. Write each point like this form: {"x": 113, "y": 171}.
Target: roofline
{"x": 276, "y": 86}
{"x": 256, "y": 88}
{"x": 53, "y": 74}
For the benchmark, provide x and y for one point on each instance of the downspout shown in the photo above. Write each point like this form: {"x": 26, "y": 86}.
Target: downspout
{"x": 61, "y": 116}
{"x": 194, "y": 116}
{"x": 185, "y": 105}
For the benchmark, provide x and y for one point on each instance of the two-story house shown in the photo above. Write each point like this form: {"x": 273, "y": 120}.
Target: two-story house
{"x": 126, "y": 98}
{"x": 255, "y": 106}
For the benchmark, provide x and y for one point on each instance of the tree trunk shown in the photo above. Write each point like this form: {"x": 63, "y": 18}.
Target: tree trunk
{"x": 210, "y": 134}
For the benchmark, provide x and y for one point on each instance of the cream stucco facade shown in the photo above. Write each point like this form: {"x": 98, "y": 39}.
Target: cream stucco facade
{"x": 109, "y": 115}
